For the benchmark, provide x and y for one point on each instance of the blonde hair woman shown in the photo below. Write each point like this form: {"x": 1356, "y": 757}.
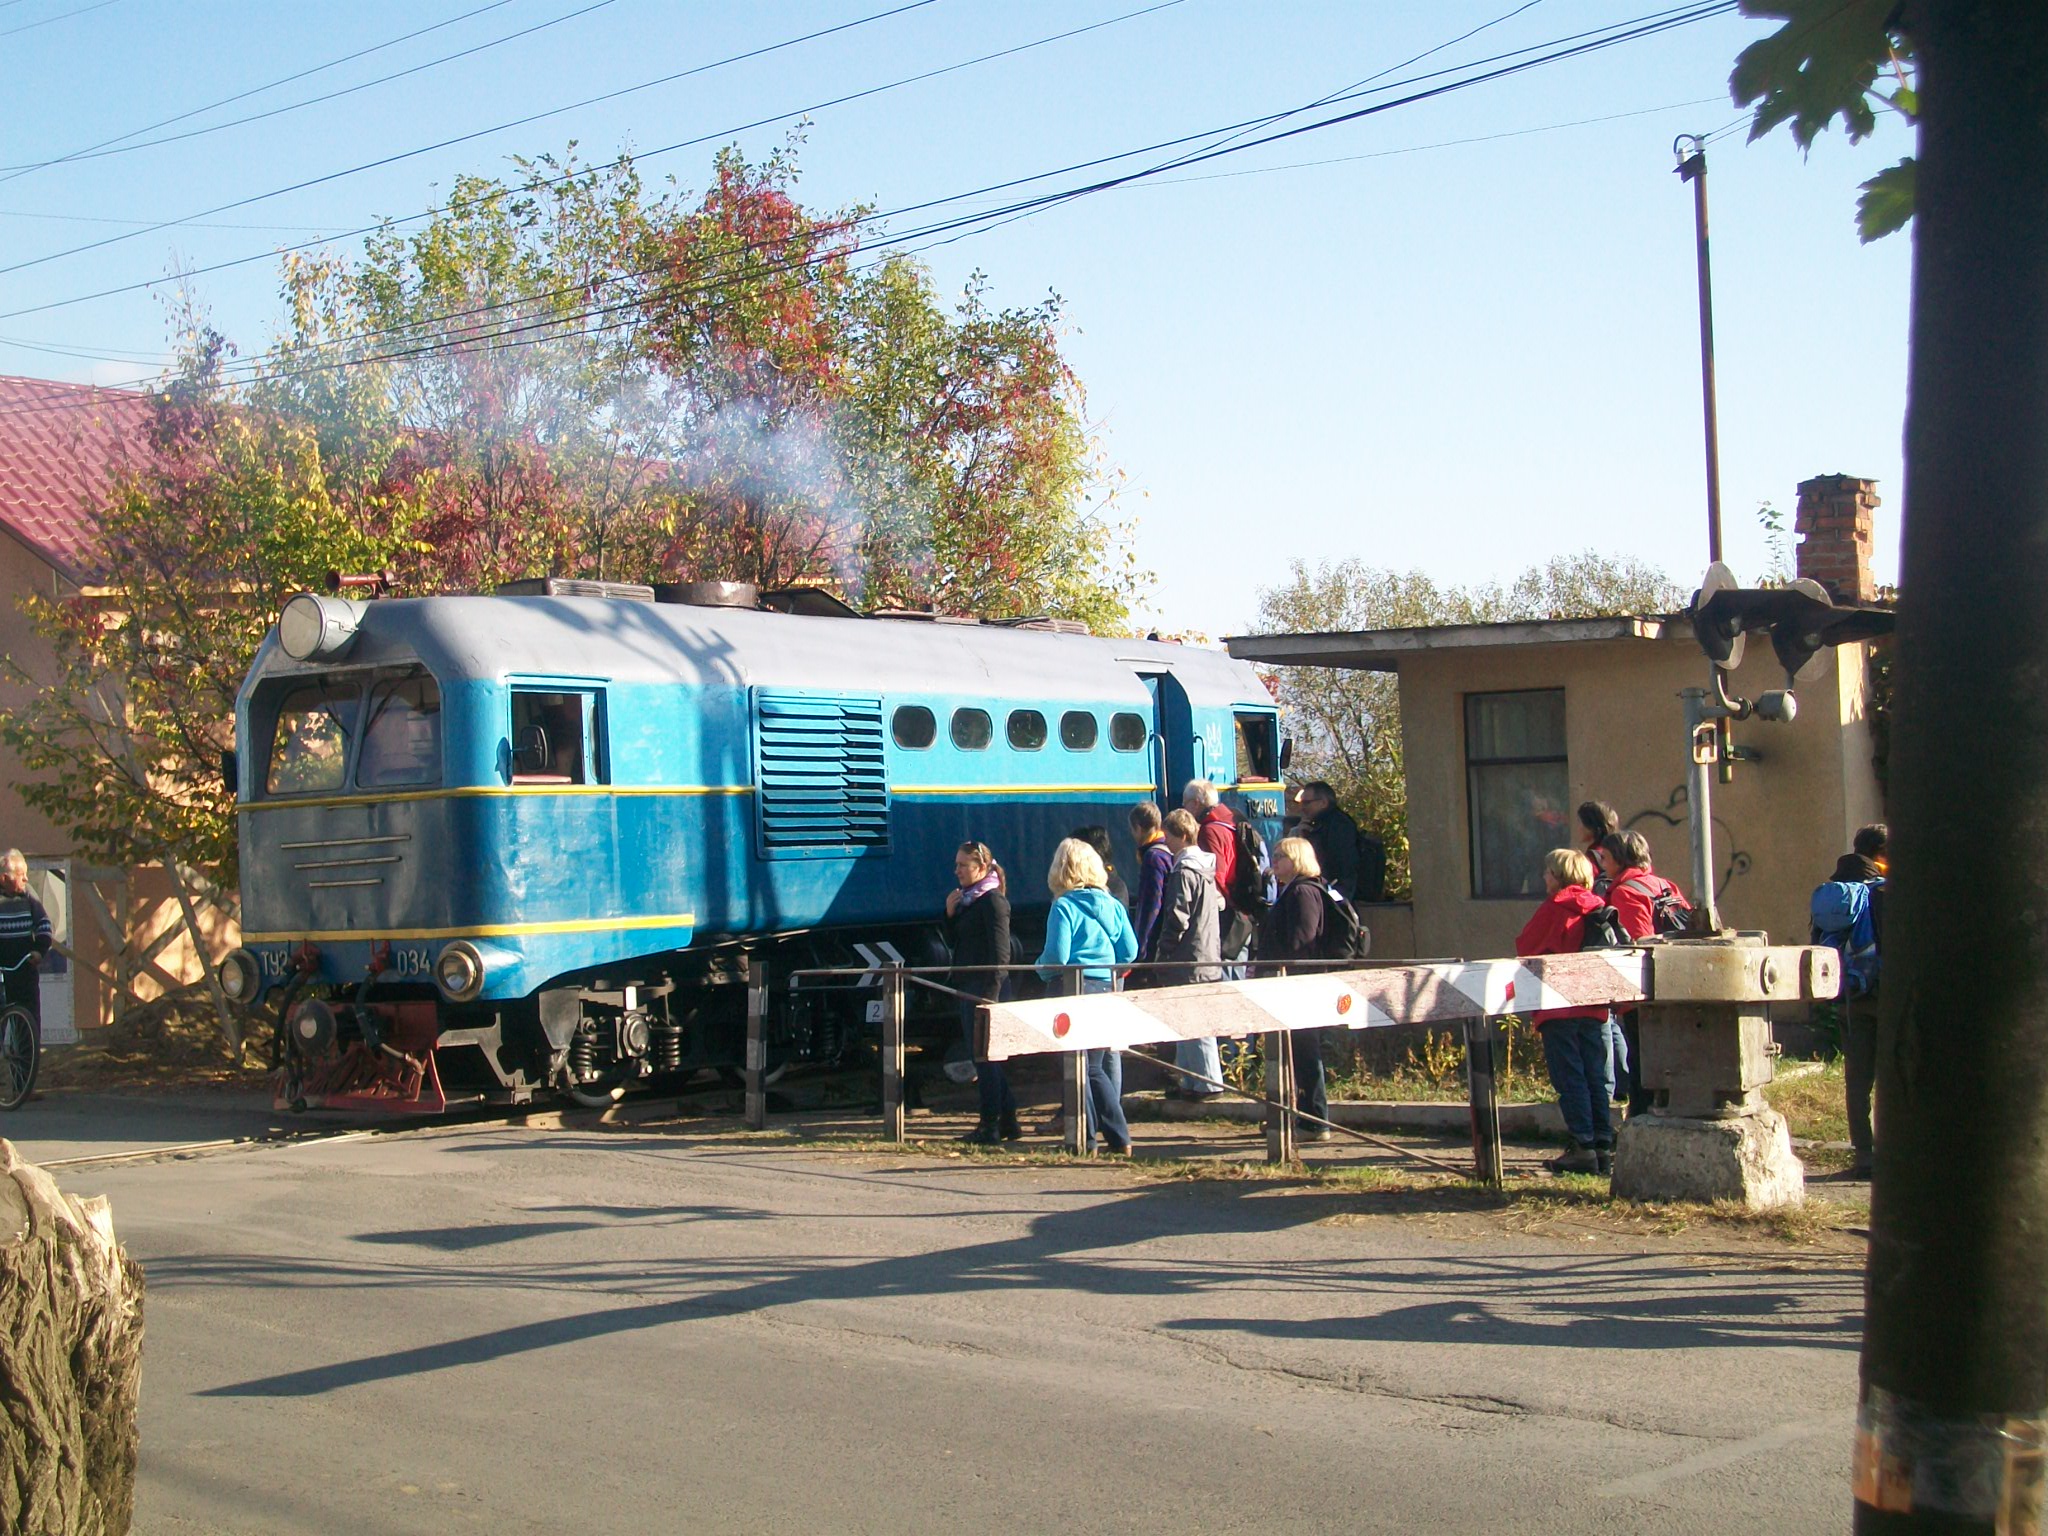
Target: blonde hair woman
{"x": 1575, "y": 1045}
{"x": 1088, "y": 927}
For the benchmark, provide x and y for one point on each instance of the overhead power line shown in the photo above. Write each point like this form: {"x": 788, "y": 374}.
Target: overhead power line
{"x": 254, "y": 90}
{"x": 30, "y": 26}
{"x": 453, "y": 205}
{"x": 554, "y": 326}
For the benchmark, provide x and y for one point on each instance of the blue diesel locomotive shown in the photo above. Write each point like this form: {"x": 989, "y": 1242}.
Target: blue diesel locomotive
{"x": 493, "y": 846}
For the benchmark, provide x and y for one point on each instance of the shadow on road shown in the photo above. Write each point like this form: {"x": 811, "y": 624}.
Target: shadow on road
{"x": 1162, "y": 1239}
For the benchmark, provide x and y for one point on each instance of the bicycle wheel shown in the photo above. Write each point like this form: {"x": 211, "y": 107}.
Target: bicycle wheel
{"x": 19, "y": 1055}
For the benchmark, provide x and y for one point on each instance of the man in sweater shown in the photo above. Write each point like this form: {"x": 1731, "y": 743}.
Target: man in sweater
{"x": 25, "y": 937}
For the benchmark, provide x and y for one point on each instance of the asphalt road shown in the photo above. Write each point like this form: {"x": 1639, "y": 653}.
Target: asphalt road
{"x": 513, "y": 1329}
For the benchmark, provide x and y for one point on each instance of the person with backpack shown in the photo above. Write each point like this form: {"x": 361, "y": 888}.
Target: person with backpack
{"x": 1848, "y": 916}
{"x": 1190, "y": 935}
{"x": 1575, "y": 1045}
{"x": 1647, "y": 906}
{"x": 1598, "y": 821}
{"x": 1306, "y": 922}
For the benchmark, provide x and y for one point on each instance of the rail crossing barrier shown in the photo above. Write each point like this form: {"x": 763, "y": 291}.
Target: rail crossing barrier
{"x": 1705, "y": 1035}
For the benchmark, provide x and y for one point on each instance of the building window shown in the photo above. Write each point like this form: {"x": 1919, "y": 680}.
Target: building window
{"x": 972, "y": 730}
{"x": 1077, "y": 731}
{"x": 1027, "y": 730}
{"x": 1517, "y": 788}
{"x": 913, "y": 727}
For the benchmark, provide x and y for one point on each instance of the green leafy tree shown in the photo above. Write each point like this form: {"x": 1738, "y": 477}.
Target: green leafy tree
{"x": 1834, "y": 60}
{"x": 1346, "y": 725}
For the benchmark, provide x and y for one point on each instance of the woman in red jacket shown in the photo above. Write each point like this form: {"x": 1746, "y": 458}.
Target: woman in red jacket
{"x": 1574, "y": 1039}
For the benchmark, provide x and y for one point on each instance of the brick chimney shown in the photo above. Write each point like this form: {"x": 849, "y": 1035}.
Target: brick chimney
{"x": 1835, "y": 514}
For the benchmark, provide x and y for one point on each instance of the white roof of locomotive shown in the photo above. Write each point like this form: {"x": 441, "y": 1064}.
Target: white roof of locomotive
{"x": 600, "y": 638}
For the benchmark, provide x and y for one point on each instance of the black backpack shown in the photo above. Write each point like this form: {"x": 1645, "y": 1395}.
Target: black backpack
{"x": 1344, "y": 936}
{"x": 1669, "y": 911}
{"x": 1603, "y": 930}
{"x": 1250, "y": 876}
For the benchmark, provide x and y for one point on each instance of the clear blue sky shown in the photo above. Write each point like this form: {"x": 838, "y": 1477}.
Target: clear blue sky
{"x": 1462, "y": 358}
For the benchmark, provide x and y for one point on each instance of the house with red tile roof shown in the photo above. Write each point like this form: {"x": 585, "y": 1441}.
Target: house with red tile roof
{"x": 61, "y": 445}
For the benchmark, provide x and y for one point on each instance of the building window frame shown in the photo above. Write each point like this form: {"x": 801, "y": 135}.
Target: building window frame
{"x": 1509, "y": 866}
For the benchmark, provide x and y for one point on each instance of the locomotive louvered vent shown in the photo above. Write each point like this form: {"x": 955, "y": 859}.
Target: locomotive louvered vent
{"x": 822, "y": 785}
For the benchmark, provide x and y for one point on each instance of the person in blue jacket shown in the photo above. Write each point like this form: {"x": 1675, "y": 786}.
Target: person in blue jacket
{"x": 1089, "y": 927}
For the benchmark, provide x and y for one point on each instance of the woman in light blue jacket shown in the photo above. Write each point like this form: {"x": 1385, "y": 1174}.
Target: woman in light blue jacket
{"x": 1089, "y": 927}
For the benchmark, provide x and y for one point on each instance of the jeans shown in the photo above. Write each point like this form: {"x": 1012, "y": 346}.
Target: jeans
{"x": 1198, "y": 1056}
{"x": 1310, "y": 1092}
{"x": 998, "y": 1102}
{"x": 1105, "y": 1086}
{"x": 1575, "y": 1050}
{"x": 1859, "y": 1068}
{"x": 1628, "y": 1049}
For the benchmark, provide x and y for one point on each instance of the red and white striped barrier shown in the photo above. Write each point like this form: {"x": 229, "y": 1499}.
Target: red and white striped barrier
{"x": 1375, "y": 999}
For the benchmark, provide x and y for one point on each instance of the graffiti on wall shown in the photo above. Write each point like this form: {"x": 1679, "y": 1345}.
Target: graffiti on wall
{"x": 1675, "y": 813}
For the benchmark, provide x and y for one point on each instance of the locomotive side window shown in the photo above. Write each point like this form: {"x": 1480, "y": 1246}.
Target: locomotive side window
{"x": 315, "y": 725}
{"x": 914, "y": 727}
{"x": 1077, "y": 730}
{"x": 1257, "y": 757}
{"x": 401, "y": 735}
{"x": 1127, "y": 732}
{"x": 551, "y": 737}
{"x": 1027, "y": 730}
{"x": 972, "y": 730}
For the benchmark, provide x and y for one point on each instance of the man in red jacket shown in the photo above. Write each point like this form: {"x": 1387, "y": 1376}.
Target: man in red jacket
{"x": 1574, "y": 1039}
{"x": 1218, "y": 839}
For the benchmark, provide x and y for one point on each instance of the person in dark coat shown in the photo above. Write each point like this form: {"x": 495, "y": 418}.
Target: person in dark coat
{"x": 1294, "y": 931}
{"x": 25, "y": 938}
{"x": 1575, "y": 1045}
{"x": 1330, "y": 828}
{"x": 978, "y": 933}
{"x": 1155, "y": 859}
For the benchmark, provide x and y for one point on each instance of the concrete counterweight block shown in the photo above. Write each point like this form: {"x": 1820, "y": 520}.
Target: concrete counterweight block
{"x": 1744, "y": 1158}
{"x": 70, "y": 1360}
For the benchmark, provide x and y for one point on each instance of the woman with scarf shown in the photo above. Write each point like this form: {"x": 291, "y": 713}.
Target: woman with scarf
{"x": 978, "y": 933}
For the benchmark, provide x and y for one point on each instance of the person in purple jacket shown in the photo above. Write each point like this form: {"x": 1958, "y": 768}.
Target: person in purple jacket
{"x": 1154, "y": 860}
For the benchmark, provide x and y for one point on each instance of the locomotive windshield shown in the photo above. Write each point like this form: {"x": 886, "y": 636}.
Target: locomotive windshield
{"x": 402, "y": 735}
{"x": 316, "y": 724}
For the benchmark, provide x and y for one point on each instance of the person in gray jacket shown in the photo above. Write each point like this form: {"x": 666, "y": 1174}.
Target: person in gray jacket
{"x": 1190, "y": 931}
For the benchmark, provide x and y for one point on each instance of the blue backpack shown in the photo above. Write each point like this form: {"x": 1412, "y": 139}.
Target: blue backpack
{"x": 1842, "y": 920}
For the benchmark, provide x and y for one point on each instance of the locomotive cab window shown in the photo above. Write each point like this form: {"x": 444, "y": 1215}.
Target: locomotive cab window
{"x": 1077, "y": 731}
{"x": 1258, "y": 758}
{"x": 914, "y": 727}
{"x": 1027, "y": 730}
{"x": 553, "y": 737}
{"x": 1127, "y": 732}
{"x": 401, "y": 735}
{"x": 316, "y": 725}
{"x": 972, "y": 730}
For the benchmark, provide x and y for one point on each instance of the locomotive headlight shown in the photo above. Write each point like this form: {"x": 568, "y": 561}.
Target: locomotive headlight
{"x": 239, "y": 975}
{"x": 459, "y": 972}
{"x": 315, "y": 627}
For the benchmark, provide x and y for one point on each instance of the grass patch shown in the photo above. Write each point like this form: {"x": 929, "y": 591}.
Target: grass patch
{"x": 1815, "y": 1106}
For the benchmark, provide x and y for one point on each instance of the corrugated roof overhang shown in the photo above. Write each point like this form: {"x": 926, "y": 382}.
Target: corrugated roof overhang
{"x": 1382, "y": 650}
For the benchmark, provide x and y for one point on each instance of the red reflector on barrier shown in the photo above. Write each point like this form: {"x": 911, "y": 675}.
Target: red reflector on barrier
{"x": 1344, "y": 1003}
{"x": 1061, "y": 1023}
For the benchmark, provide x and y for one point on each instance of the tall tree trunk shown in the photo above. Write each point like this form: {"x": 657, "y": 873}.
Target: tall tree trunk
{"x": 1957, "y": 1287}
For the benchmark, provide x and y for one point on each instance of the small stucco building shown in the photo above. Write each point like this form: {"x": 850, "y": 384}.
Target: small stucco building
{"x": 60, "y": 444}
{"x": 1506, "y": 728}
